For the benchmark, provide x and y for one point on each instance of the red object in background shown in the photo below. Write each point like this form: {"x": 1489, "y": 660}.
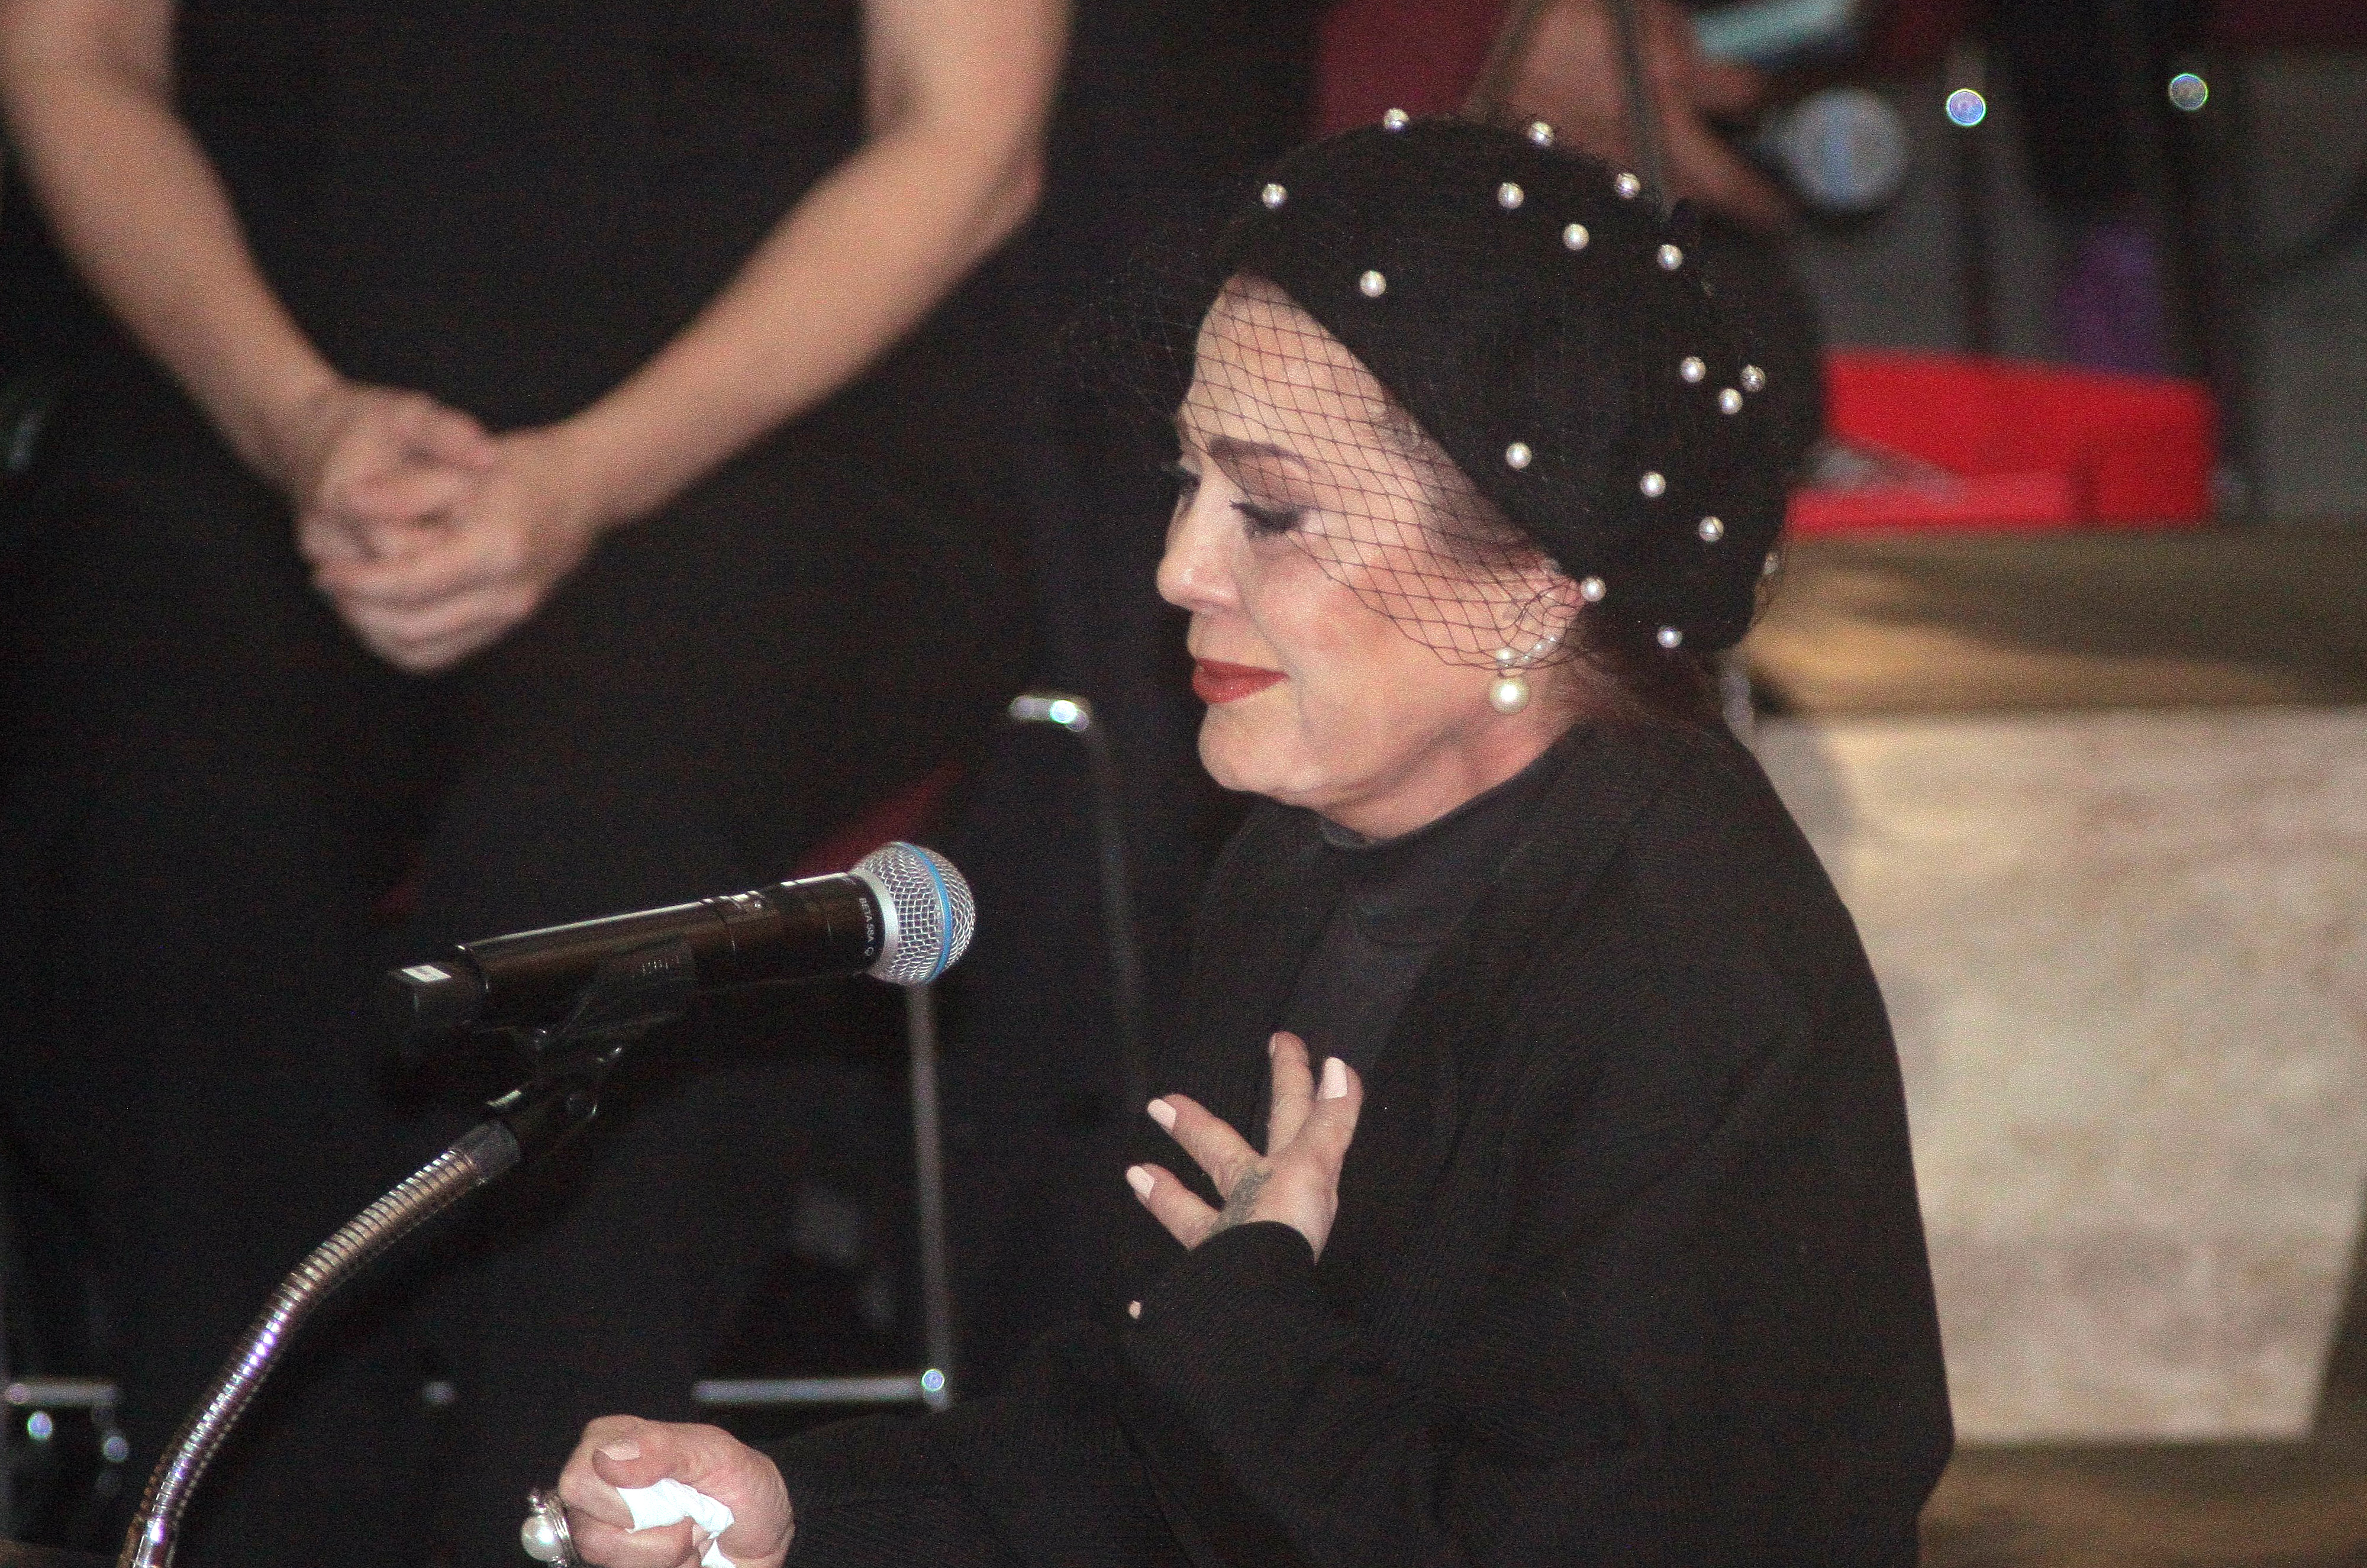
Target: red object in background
{"x": 2017, "y": 445}
{"x": 906, "y": 815}
{"x": 1421, "y": 56}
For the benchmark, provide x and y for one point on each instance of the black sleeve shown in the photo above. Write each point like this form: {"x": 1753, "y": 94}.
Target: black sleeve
{"x": 1042, "y": 1473}
{"x": 1733, "y": 1364}
{"x": 880, "y": 1491}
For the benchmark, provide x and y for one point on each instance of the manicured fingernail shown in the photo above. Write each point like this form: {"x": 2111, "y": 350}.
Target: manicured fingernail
{"x": 1142, "y": 1181}
{"x": 1134, "y": 1309}
{"x": 1162, "y": 1113}
{"x": 621, "y": 1449}
{"x": 1335, "y": 1077}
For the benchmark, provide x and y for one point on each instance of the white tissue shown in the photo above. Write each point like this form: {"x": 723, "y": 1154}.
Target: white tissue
{"x": 670, "y": 1501}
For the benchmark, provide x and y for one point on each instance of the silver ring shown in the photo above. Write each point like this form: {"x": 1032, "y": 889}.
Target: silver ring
{"x": 544, "y": 1534}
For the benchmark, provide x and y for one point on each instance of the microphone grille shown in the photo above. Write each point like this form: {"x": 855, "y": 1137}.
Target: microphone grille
{"x": 930, "y": 913}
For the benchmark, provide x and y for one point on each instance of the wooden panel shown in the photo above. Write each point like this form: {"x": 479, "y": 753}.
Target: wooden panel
{"x": 1958, "y": 622}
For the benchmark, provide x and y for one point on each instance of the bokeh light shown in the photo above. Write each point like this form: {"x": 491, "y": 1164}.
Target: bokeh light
{"x": 2188, "y": 91}
{"x": 1967, "y": 108}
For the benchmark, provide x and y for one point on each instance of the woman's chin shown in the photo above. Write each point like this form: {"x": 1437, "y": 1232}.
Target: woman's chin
{"x": 1236, "y": 755}
{"x": 1220, "y": 750}
{"x": 1248, "y": 758}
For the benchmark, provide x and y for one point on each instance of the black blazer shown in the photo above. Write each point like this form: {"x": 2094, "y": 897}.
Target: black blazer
{"x": 1628, "y": 1268}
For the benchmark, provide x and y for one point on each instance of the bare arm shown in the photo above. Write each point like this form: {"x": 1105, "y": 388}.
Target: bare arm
{"x": 957, "y": 93}
{"x": 87, "y": 89}
{"x": 87, "y": 85}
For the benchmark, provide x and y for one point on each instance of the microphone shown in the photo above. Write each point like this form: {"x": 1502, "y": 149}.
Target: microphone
{"x": 903, "y": 915}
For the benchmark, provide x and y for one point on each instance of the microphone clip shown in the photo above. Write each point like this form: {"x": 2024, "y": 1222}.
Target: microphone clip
{"x": 631, "y": 994}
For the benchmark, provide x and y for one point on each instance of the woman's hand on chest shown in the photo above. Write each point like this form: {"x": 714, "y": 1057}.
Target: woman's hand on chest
{"x": 1295, "y": 1181}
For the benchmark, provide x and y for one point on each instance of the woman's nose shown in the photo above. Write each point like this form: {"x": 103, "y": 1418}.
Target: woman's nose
{"x": 1195, "y": 573}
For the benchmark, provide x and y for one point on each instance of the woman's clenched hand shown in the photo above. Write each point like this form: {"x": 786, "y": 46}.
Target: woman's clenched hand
{"x": 363, "y": 468}
{"x": 624, "y": 1450}
{"x": 1297, "y": 1180}
{"x": 439, "y": 592}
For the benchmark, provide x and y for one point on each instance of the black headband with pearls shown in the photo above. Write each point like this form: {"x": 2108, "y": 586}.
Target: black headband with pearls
{"x": 1551, "y": 333}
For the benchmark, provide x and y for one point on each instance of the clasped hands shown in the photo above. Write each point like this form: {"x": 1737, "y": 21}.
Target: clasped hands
{"x": 1309, "y": 1124}
{"x": 431, "y": 536}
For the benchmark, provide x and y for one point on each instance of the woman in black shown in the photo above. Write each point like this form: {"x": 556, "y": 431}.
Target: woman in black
{"x": 1594, "y": 1238}
{"x": 529, "y": 466}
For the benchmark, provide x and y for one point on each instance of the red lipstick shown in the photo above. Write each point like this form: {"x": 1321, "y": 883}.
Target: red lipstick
{"x": 1214, "y": 681}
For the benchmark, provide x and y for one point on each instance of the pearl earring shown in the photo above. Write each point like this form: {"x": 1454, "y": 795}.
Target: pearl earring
{"x": 1508, "y": 693}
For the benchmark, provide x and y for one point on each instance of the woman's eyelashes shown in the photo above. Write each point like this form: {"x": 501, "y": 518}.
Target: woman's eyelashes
{"x": 1263, "y": 521}
{"x": 1259, "y": 519}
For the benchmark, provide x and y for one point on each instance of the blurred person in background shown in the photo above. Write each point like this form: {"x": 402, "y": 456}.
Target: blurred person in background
{"x": 523, "y": 461}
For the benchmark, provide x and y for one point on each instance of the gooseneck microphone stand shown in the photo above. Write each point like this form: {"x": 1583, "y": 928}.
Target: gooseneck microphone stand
{"x": 631, "y": 994}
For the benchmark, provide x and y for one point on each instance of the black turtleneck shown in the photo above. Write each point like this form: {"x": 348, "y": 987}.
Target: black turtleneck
{"x": 1401, "y": 898}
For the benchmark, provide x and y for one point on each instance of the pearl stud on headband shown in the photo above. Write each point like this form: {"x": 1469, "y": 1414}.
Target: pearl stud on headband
{"x": 1373, "y": 284}
{"x": 1273, "y": 196}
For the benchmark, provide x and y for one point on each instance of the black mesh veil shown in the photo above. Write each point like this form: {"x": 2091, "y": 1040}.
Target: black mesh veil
{"x": 1366, "y": 492}
{"x": 1483, "y": 384}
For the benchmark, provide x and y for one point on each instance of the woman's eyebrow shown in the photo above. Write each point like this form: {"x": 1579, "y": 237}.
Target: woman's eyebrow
{"x": 1228, "y": 450}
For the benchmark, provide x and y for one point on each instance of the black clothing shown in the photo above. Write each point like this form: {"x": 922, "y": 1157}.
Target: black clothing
{"x": 1627, "y": 1267}
{"x": 1400, "y": 898}
{"x": 211, "y": 791}
{"x": 512, "y": 205}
